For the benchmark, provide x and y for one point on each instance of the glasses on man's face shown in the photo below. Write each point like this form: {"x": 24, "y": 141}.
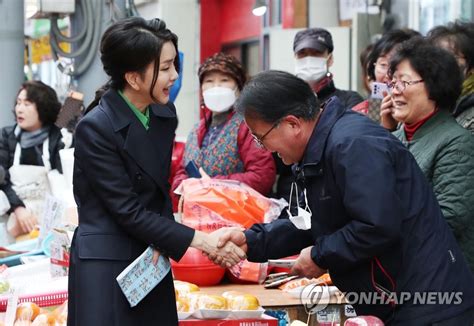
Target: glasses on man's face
{"x": 401, "y": 85}
{"x": 259, "y": 140}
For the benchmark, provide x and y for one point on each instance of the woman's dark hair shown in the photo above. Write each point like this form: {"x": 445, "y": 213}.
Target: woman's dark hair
{"x": 97, "y": 96}
{"x": 45, "y": 98}
{"x": 385, "y": 44}
{"x": 272, "y": 95}
{"x": 437, "y": 67}
{"x": 131, "y": 45}
{"x": 460, "y": 37}
{"x": 363, "y": 60}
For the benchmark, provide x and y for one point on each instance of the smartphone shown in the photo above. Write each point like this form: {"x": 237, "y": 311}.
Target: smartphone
{"x": 378, "y": 89}
{"x": 192, "y": 170}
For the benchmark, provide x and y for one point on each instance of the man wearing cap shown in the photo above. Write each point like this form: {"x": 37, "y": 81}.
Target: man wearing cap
{"x": 313, "y": 52}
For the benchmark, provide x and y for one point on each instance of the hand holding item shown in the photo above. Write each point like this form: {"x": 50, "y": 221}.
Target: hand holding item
{"x": 305, "y": 266}
{"x": 156, "y": 256}
{"x": 22, "y": 221}
{"x": 386, "y": 119}
{"x": 227, "y": 255}
{"x": 203, "y": 173}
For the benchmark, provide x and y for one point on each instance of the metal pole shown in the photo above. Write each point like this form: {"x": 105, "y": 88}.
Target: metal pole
{"x": 94, "y": 77}
{"x": 12, "y": 48}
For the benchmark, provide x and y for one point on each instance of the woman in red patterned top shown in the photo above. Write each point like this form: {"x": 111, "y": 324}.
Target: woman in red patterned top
{"x": 221, "y": 144}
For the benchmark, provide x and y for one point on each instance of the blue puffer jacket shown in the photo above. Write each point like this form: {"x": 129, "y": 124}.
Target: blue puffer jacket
{"x": 375, "y": 222}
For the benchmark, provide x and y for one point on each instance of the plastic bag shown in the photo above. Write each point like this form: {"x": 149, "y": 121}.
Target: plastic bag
{"x": 210, "y": 204}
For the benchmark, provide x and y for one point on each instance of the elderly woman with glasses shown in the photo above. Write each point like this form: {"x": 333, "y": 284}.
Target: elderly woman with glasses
{"x": 220, "y": 144}
{"x": 376, "y": 66}
{"x": 425, "y": 84}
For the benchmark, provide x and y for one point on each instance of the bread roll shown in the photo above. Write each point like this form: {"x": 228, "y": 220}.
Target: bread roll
{"x": 231, "y": 294}
{"x": 213, "y": 302}
{"x": 182, "y": 304}
{"x": 183, "y": 288}
{"x": 244, "y": 302}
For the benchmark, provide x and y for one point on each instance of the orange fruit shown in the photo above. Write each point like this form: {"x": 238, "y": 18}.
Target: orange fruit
{"x": 27, "y": 311}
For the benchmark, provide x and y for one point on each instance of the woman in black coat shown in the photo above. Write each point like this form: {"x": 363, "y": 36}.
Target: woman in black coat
{"x": 122, "y": 161}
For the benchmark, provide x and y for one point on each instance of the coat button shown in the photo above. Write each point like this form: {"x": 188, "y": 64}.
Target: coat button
{"x": 138, "y": 176}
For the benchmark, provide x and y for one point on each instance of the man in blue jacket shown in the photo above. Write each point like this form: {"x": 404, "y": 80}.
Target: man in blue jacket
{"x": 376, "y": 226}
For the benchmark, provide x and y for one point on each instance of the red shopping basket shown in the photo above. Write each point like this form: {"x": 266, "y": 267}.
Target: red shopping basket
{"x": 42, "y": 300}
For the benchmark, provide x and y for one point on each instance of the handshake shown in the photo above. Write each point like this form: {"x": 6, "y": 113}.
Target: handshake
{"x": 225, "y": 247}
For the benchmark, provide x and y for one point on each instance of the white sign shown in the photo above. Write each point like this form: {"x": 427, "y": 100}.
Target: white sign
{"x": 52, "y": 216}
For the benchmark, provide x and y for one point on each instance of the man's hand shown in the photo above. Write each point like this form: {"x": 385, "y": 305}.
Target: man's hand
{"x": 305, "y": 266}
{"x": 226, "y": 255}
{"x": 233, "y": 235}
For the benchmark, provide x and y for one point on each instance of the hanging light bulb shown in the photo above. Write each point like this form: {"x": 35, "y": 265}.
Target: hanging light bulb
{"x": 259, "y": 8}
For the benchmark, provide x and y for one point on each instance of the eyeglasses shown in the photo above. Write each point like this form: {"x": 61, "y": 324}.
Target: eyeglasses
{"x": 381, "y": 67}
{"x": 259, "y": 140}
{"x": 401, "y": 85}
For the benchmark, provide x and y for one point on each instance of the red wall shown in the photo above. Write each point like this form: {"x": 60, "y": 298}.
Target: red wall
{"x": 238, "y": 22}
{"x": 210, "y": 28}
{"x": 288, "y": 13}
{"x": 227, "y": 21}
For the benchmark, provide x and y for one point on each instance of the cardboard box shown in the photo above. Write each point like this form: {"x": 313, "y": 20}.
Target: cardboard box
{"x": 60, "y": 247}
{"x": 263, "y": 321}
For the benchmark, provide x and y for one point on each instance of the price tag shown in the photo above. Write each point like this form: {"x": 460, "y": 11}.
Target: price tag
{"x": 349, "y": 311}
{"x": 12, "y": 304}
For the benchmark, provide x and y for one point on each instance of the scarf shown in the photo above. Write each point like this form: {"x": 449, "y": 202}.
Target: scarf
{"x": 468, "y": 85}
{"x": 29, "y": 139}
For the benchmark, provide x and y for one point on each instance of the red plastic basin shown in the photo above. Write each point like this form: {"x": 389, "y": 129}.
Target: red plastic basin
{"x": 196, "y": 268}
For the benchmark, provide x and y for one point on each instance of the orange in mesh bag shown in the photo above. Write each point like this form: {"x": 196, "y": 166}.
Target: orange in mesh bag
{"x": 210, "y": 204}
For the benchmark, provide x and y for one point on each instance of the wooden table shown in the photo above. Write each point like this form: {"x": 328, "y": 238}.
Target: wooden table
{"x": 275, "y": 299}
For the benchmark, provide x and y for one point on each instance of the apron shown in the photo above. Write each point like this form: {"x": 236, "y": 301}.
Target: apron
{"x": 30, "y": 182}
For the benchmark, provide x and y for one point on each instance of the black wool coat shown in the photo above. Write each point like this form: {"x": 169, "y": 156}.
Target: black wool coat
{"x": 122, "y": 193}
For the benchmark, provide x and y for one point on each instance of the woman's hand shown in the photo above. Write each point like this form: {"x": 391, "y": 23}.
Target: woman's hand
{"x": 156, "y": 256}
{"x": 204, "y": 175}
{"x": 228, "y": 255}
{"x": 386, "y": 119}
{"x": 25, "y": 219}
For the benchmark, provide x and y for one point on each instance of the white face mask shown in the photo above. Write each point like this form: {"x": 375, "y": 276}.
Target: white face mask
{"x": 311, "y": 68}
{"x": 303, "y": 218}
{"x": 219, "y": 99}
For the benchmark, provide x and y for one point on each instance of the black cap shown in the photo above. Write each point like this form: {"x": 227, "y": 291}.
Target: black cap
{"x": 313, "y": 38}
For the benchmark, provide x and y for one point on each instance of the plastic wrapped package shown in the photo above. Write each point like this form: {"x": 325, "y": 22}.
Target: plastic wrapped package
{"x": 210, "y": 204}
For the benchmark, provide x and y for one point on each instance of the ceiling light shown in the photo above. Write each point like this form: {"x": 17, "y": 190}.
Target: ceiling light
{"x": 259, "y": 8}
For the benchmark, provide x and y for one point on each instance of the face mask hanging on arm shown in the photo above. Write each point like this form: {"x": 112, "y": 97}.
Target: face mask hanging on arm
{"x": 219, "y": 99}
{"x": 311, "y": 68}
{"x": 303, "y": 220}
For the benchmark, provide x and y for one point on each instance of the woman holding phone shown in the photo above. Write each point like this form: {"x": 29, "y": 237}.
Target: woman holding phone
{"x": 425, "y": 82}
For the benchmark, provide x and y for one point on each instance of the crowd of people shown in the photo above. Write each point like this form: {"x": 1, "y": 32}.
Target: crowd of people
{"x": 388, "y": 180}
